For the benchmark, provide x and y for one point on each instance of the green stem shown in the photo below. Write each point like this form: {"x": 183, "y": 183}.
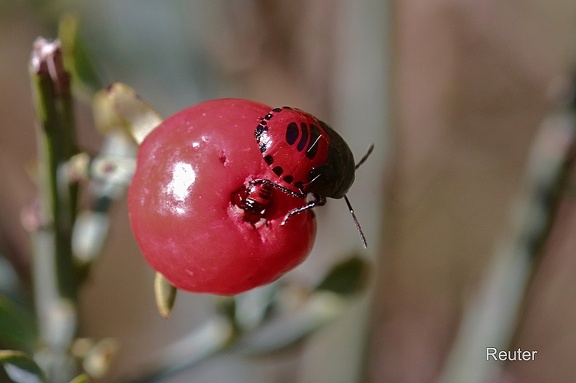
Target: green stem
{"x": 54, "y": 279}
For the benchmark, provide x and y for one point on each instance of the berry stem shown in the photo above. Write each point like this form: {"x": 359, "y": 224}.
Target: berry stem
{"x": 165, "y": 295}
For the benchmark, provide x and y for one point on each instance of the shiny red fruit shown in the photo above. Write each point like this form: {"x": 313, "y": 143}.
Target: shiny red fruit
{"x": 190, "y": 170}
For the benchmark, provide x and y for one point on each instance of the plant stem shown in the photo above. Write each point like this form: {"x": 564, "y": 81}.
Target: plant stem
{"x": 493, "y": 317}
{"x": 54, "y": 278}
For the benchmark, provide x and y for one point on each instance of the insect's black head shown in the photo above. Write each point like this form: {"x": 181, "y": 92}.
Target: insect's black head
{"x": 333, "y": 178}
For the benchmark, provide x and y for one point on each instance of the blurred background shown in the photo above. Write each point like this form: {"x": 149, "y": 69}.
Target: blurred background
{"x": 452, "y": 94}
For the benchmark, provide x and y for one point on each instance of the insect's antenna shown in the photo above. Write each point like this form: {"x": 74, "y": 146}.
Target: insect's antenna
{"x": 362, "y": 237}
{"x": 363, "y": 159}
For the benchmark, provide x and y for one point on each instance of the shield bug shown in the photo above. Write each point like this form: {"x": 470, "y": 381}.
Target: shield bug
{"x": 305, "y": 157}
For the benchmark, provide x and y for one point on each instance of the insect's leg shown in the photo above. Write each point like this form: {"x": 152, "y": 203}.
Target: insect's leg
{"x": 263, "y": 181}
{"x": 317, "y": 201}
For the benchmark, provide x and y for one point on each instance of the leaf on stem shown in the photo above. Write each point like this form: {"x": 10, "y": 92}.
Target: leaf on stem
{"x": 85, "y": 78}
{"x": 21, "y": 368}
{"x": 17, "y": 327}
{"x": 83, "y": 378}
{"x": 347, "y": 277}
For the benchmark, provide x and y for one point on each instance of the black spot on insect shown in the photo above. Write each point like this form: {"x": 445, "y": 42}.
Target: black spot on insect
{"x": 263, "y": 122}
{"x": 277, "y": 110}
{"x": 304, "y": 138}
{"x": 269, "y": 159}
{"x": 278, "y": 170}
{"x": 291, "y": 133}
{"x": 259, "y": 130}
{"x": 288, "y": 179}
{"x": 287, "y": 108}
{"x": 263, "y": 147}
{"x": 268, "y": 116}
{"x": 299, "y": 185}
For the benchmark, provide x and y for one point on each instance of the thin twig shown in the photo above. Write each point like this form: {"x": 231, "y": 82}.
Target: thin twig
{"x": 491, "y": 320}
{"x": 54, "y": 279}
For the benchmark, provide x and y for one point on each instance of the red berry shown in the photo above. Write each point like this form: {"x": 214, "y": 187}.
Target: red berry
{"x": 183, "y": 202}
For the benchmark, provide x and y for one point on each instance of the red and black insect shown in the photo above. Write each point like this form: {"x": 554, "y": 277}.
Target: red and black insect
{"x": 306, "y": 156}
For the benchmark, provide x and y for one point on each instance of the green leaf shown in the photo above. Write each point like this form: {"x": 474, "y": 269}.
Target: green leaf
{"x": 347, "y": 277}
{"x": 21, "y": 368}
{"x": 80, "y": 379}
{"x": 17, "y": 328}
{"x": 9, "y": 280}
{"x": 77, "y": 59}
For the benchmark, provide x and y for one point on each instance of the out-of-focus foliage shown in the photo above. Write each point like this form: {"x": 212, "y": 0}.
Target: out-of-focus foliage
{"x": 77, "y": 60}
{"x": 17, "y": 328}
{"x": 346, "y": 277}
{"x": 21, "y": 368}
